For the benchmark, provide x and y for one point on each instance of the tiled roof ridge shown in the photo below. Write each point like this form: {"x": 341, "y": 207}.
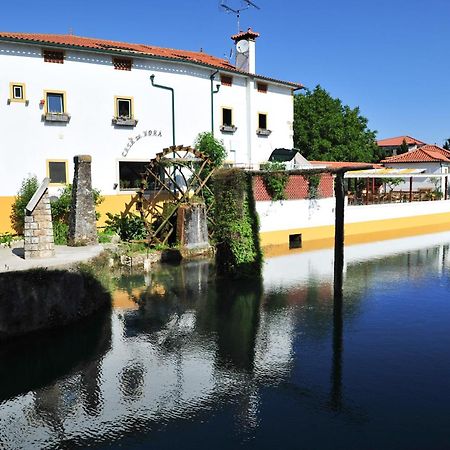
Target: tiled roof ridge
{"x": 71, "y": 40}
{"x": 248, "y": 33}
{"x": 427, "y": 152}
{"x": 403, "y": 137}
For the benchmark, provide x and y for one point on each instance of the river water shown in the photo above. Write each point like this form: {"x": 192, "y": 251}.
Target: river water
{"x": 185, "y": 362}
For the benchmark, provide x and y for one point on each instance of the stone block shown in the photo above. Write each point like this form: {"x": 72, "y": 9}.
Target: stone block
{"x": 34, "y": 226}
{"x": 29, "y": 219}
{"x": 34, "y": 240}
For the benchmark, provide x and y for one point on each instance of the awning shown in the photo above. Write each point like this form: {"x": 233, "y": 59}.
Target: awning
{"x": 387, "y": 172}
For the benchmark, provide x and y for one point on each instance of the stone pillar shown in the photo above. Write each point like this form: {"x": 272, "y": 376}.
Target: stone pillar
{"x": 192, "y": 230}
{"x": 38, "y": 229}
{"x": 82, "y": 221}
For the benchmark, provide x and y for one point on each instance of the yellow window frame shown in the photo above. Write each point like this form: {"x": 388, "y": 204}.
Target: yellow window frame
{"x": 64, "y": 98}
{"x": 11, "y": 92}
{"x": 47, "y": 164}
{"x": 116, "y": 105}
{"x": 267, "y": 119}
{"x": 232, "y": 115}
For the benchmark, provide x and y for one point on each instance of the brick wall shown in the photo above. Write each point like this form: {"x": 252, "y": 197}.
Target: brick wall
{"x": 296, "y": 189}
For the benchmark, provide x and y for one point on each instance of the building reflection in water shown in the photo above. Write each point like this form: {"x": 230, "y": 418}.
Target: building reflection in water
{"x": 187, "y": 344}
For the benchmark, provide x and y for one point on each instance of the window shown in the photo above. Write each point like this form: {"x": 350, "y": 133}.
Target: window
{"x": 227, "y": 117}
{"x": 53, "y": 56}
{"x": 124, "y": 112}
{"x": 262, "y": 121}
{"x": 226, "y": 80}
{"x": 55, "y": 107}
{"x": 57, "y": 171}
{"x": 17, "y": 92}
{"x": 262, "y": 87}
{"x": 130, "y": 174}
{"x": 262, "y": 129}
{"x": 122, "y": 63}
{"x": 124, "y": 108}
{"x": 295, "y": 241}
{"x": 55, "y": 103}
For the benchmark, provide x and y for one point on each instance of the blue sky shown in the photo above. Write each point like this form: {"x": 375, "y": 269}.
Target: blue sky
{"x": 389, "y": 57}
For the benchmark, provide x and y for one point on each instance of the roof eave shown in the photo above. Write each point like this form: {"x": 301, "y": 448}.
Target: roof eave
{"x": 293, "y": 86}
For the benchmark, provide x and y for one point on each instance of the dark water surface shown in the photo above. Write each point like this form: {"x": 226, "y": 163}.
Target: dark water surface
{"x": 185, "y": 362}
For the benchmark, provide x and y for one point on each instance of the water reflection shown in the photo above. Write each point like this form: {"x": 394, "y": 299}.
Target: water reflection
{"x": 182, "y": 352}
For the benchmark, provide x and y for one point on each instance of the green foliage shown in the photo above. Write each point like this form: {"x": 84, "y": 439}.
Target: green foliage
{"x": 128, "y": 227}
{"x": 61, "y": 205}
{"x": 28, "y": 187}
{"x": 327, "y": 130}
{"x": 61, "y": 212}
{"x": 403, "y": 148}
{"x": 60, "y": 232}
{"x": 275, "y": 179}
{"x": 391, "y": 183}
{"x": 6, "y": 238}
{"x": 237, "y": 233}
{"x": 105, "y": 236}
{"x": 211, "y": 147}
{"x": 313, "y": 185}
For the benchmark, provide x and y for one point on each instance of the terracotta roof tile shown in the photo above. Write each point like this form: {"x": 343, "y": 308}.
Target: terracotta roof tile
{"x": 339, "y": 164}
{"x": 397, "y": 141}
{"x": 245, "y": 34}
{"x": 68, "y": 40}
{"x": 426, "y": 153}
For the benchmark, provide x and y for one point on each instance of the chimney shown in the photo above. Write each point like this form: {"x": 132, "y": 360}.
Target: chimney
{"x": 245, "y": 50}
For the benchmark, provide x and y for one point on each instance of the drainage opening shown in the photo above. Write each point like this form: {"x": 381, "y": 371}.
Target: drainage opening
{"x": 295, "y": 241}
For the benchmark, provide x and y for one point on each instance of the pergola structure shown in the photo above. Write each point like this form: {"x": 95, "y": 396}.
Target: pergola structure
{"x": 369, "y": 194}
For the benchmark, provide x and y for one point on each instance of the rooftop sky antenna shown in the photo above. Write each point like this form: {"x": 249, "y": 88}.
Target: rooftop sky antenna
{"x": 245, "y": 4}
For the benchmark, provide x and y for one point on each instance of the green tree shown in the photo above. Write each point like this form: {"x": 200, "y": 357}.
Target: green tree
{"x": 327, "y": 130}
{"x": 403, "y": 148}
{"x": 211, "y": 147}
{"x": 27, "y": 189}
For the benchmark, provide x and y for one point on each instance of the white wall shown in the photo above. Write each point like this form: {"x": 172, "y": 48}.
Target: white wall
{"x": 91, "y": 83}
{"x": 291, "y": 214}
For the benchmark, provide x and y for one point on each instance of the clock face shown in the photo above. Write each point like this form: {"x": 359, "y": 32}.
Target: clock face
{"x": 242, "y": 46}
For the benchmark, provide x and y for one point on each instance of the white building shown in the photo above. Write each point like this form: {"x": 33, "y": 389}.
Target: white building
{"x": 65, "y": 95}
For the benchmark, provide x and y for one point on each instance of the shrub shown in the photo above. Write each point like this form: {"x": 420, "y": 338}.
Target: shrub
{"x": 275, "y": 181}
{"x": 61, "y": 205}
{"x": 211, "y": 147}
{"x": 128, "y": 227}
{"x": 60, "y": 232}
{"x": 27, "y": 189}
{"x": 61, "y": 212}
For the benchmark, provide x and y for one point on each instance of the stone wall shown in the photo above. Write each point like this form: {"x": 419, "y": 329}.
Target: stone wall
{"x": 41, "y": 299}
{"x": 38, "y": 230}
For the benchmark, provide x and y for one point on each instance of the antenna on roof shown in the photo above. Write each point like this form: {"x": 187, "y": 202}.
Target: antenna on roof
{"x": 245, "y": 4}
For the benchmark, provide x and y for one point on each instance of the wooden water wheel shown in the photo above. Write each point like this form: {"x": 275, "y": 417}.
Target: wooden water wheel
{"x": 176, "y": 176}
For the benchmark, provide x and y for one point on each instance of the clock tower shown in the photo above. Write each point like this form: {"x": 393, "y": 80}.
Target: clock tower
{"x": 245, "y": 50}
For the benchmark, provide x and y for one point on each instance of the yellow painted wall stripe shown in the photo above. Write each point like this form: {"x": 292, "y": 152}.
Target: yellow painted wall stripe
{"x": 277, "y": 242}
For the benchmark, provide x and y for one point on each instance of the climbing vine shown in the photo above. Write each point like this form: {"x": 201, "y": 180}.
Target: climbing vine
{"x": 275, "y": 179}
{"x": 237, "y": 231}
{"x": 313, "y": 185}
